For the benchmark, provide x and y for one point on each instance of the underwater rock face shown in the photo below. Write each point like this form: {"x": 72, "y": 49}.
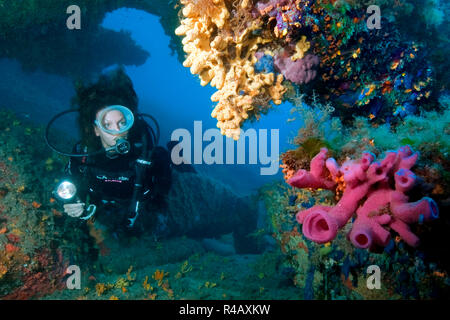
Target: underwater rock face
{"x": 35, "y": 33}
{"x": 31, "y": 263}
{"x": 202, "y": 207}
{"x": 369, "y": 179}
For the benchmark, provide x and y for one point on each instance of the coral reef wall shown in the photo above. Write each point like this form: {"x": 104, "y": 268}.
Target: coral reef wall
{"x": 337, "y": 270}
{"x": 261, "y": 52}
{"x": 32, "y": 263}
{"x": 334, "y": 268}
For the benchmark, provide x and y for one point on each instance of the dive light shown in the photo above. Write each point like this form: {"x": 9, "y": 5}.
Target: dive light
{"x": 65, "y": 191}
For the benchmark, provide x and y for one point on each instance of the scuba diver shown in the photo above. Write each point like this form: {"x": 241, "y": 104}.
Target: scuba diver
{"x": 117, "y": 171}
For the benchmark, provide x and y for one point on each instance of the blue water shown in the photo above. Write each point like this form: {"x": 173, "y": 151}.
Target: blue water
{"x": 165, "y": 89}
{"x": 174, "y": 96}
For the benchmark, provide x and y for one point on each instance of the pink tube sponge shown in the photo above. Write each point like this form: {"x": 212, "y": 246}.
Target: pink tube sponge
{"x": 368, "y": 195}
{"x": 367, "y": 232}
{"x": 404, "y": 180}
{"x": 319, "y": 225}
{"x": 411, "y": 212}
{"x": 407, "y": 158}
{"x": 316, "y": 177}
{"x": 367, "y": 229}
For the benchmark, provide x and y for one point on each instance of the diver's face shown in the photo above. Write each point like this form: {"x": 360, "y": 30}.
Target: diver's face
{"x": 113, "y": 120}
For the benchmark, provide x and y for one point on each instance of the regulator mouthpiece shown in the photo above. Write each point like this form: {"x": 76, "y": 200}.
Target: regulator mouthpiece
{"x": 122, "y": 146}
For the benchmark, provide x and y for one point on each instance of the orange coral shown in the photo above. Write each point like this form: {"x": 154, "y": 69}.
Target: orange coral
{"x": 11, "y": 248}
{"x": 129, "y": 276}
{"x": 100, "y": 288}
{"x": 57, "y": 213}
{"x": 347, "y": 282}
{"x": 147, "y": 285}
{"x": 159, "y": 276}
{"x": 3, "y": 270}
{"x": 287, "y": 172}
{"x": 36, "y": 205}
{"x": 340, "y": 187}
{"x": 166, "y": 288}
{"x": 439, "y": 274}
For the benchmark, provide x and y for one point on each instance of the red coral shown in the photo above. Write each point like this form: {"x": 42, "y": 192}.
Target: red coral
{"x": 13, "y": 238}
{"x": 11, "y": 248}
{"x": 45, "y": 278}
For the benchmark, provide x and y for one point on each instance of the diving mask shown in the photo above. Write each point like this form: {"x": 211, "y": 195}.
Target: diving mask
{"x": 125, "y": 116}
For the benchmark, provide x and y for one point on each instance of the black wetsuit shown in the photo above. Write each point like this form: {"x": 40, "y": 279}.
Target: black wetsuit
{"x": 109, "y": 183}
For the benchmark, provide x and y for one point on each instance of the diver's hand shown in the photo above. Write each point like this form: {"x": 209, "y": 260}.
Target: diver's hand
{"x": 74, "y": 209}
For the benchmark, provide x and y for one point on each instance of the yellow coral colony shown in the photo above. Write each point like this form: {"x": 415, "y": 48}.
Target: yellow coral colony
{"x": 225, "y": 60}
{"x": 301, "y": 48}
